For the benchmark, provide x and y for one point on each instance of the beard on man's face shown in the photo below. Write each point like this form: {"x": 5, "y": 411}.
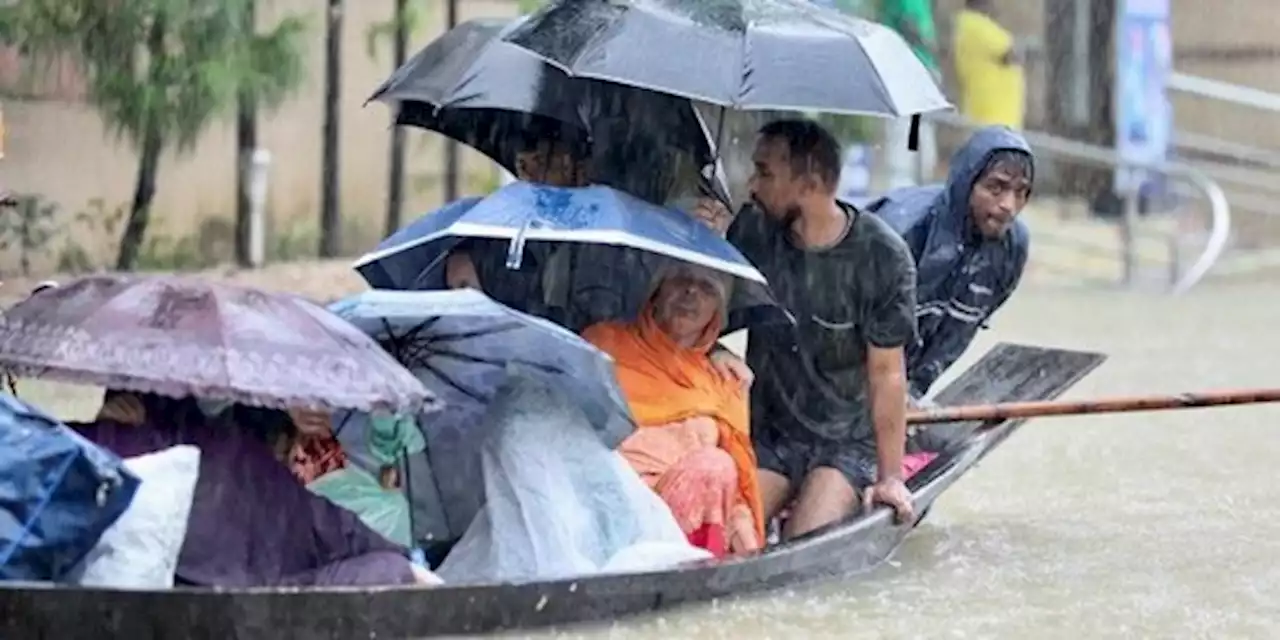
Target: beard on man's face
{"x": 785, "y": 215}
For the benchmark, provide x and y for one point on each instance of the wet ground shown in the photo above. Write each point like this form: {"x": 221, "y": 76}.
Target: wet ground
{"x": 1160, "y": 525}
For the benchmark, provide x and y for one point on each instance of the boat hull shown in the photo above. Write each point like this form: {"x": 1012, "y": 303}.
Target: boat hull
{"x": 1008, "y": 373}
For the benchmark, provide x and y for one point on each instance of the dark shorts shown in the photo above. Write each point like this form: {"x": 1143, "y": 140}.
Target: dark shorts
{"x": 795, "y": 456}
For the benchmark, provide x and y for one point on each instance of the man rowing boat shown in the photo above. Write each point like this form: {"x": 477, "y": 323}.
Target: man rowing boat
{"x": 969, "y": 247}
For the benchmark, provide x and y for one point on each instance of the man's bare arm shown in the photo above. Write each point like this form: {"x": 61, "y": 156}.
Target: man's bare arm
{"x": 887, "y": 384}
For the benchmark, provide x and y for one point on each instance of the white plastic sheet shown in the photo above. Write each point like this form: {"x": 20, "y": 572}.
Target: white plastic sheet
{"x": 140, "y": 551}
{"x": 558, "y": 502}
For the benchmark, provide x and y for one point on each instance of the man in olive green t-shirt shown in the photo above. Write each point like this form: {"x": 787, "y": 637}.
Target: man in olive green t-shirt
{"x": 913, "y": 20}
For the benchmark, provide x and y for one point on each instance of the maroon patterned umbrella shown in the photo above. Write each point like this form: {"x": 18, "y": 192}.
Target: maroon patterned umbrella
{"x": 182, "y": 336}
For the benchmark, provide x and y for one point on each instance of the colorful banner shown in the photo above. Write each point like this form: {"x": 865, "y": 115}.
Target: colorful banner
{"x": 1143, "y": 113}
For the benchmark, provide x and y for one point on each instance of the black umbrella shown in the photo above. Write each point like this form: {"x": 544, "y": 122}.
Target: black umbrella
{"x": 472, "y": 86}
{"x": 789, "y": 55}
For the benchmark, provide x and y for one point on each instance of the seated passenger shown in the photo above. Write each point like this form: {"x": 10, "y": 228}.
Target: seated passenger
{"x": 595, "y": 283}
{"x": 557, "y": 502}
{"x": 693, "y": 447}
{"x": 252, "y": 522}
{"x": 480, "y": 263}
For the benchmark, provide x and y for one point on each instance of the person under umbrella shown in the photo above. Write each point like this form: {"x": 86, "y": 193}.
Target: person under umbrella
{"x": 473, "y": 87}
{"x": 525, "y": 215}
{"x": 693, "y": 445}
{"x": 170, "y": 340}
{"x": 183, "y": 336}
{"x": 461, "y": 344}
{"x": 481, "y": 263}
{"x": 252, "y": 522}
{"x": 828, "y": 416}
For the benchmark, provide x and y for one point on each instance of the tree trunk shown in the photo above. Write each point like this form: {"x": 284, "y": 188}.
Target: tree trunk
{"x": 330, "y": 216}
{"x": 144, "y": 192}
{"x": 395, "y": 186}
{"x": 246, "y": 142}
{"x": 1066, "y": 80}
{"x": 148, "y": 165}
{"x": 451, "y": 147}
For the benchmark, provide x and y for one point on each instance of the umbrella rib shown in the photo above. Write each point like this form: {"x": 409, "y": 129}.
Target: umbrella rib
{"x": 503, "y": 328}
{"x": 466, "y": 357}
{"x": 449, "y": 380}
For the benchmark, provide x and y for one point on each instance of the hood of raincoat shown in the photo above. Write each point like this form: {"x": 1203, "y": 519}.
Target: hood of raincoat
{"x": 935, "y": 220}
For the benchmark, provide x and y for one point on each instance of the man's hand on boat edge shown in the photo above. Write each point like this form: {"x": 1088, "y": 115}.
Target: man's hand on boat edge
{"x": 891, "y": 492}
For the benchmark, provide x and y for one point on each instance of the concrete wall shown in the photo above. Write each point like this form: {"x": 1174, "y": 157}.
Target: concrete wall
{"x": 59, "y": 148}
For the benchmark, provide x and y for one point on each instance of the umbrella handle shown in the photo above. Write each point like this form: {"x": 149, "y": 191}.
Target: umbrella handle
{"x": 515, "y": 250}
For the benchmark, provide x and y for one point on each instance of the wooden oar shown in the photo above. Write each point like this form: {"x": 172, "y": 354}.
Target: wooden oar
{"x": 1013, "y": 410}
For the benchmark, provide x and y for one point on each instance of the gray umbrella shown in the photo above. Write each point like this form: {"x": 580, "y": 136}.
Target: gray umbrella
{"x": 744, "y": 54}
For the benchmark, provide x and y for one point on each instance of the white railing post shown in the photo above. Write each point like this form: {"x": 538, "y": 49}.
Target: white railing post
{"x": 259, "y": 179}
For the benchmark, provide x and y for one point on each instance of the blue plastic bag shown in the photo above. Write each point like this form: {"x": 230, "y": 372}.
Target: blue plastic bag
{"x": 58, "y": 494}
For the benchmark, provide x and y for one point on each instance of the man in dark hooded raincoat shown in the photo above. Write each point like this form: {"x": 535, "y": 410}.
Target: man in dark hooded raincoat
{"x": 970, "y": 247}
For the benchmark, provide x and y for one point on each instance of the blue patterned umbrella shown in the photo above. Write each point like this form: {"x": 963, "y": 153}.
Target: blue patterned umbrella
{"x": 525, "y": 212}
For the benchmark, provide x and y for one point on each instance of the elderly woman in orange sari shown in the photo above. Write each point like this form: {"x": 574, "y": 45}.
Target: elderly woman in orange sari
{"x": 692, "y": 446}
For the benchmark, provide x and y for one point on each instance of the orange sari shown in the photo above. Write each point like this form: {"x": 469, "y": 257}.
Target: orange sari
{"x": 694, "y": 432}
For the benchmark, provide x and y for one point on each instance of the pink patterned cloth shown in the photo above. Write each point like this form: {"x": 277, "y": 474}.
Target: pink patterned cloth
{"x": 912, "y": 463}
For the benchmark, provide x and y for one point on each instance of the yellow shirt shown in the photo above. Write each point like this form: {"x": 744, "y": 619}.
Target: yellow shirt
{"x": 990, "y": 92}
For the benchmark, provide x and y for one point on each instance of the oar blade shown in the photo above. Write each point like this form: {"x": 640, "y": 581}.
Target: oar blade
{"x": 1019, "y": 373}
{"x": 1011, "y": 373}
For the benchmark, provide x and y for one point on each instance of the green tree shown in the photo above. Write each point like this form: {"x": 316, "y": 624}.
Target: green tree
{"x": 159, "y": 72}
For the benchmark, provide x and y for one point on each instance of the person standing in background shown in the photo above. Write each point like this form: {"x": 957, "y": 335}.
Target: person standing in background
{"x": 989, "y": 68}
{"x": 913, "y": 20}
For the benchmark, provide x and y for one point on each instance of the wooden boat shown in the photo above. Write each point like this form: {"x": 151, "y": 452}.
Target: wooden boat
{"x": 1007, "y": 373}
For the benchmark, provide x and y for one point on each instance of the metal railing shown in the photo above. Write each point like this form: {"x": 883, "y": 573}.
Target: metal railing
{"x": 1219, "y": 208}
{"x": 1224, "y": 91}
{"x": 1249, "y": 173}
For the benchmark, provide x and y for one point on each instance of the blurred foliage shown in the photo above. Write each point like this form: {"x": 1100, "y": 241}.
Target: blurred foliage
{"x": 28, "y": 227}
{"x": 98, "y": 221}
{"x": 159, "y": 71}
{"x": 417, "y": 13}
{"x": 203, "y": 57}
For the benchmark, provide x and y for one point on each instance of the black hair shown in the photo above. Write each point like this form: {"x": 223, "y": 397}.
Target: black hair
{"x": 813, "y": 150}
{"x": 539, "y": 130}
{"x": 637, "y": 165}
{"x": 1014, "y": 161}
{"x": 264, "y": 424}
